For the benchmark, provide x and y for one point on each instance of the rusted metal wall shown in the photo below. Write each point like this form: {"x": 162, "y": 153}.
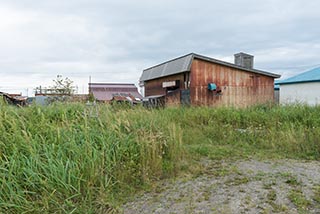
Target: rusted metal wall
{"x": 18, "y": 101}
{"x": 154, "y": 87}
{"x": 238, "y": 88}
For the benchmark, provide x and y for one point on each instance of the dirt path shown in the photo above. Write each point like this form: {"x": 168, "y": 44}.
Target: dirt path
{"x": 284, "y": 186}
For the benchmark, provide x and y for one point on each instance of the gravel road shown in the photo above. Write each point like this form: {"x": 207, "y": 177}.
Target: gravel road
{"x": 250, "y": 186}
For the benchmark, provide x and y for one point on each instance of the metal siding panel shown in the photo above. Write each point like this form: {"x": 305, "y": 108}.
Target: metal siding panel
{"x": 154, "y": 87}
{"x": 185, "y": 97}
{"x": 230, "y": 65}
{"x": 105, "y": 92}
{"x": 239, "y": 88}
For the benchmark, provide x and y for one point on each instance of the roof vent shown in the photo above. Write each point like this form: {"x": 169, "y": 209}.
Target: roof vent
{"x": 243, "y": 60}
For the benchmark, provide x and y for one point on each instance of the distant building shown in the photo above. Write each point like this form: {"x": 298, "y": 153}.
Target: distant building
{"x": 14, "y": 99}
{"x": 106, "y": 92}
{"x": 198, "y": 80}
{"x": 303, "y": 88}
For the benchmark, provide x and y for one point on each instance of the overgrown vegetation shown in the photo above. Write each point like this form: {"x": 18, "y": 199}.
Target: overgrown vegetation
{"x": 63, "y": 159}
{"x": 58, "y": 159}
{"x": 261, "y": 131}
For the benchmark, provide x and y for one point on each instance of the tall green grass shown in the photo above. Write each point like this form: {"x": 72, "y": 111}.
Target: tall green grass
{"x": 60, "y": 159}
{"x": 263, "y": 131}
{"x": 70, "y": 158}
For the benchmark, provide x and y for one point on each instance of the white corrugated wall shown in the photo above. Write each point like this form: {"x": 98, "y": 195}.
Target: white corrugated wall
{"x": 306, "y": 93}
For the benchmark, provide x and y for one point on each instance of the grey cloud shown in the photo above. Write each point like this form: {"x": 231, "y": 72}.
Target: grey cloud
{"x": 114, "y": 40}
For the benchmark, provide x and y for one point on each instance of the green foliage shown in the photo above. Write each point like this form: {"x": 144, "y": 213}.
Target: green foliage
{"x": 61, "y": 159}
{"x": 2, "y": 101}
{"x": 273, "y": 132}
{"x": 299, "y": 200}
{"x": 316, "y": 196}
{"x": 63, "y": 85}
{"x": 91, "y": 97}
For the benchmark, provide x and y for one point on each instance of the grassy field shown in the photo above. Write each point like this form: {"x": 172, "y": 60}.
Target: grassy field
{"x": 70, "y": 158}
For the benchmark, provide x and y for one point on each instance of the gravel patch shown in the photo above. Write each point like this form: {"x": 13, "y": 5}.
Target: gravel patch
{"x": 252, "y": 186}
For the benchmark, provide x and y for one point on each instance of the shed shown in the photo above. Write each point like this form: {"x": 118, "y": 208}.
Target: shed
{"x": 303, "y": 88}
{"x": 14, "y": 99}
{"x": 106, "y": 92}
{"x": 197, "y": 80}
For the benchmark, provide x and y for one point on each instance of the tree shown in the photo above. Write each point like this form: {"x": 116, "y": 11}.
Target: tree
{"x": 62, "y": 86}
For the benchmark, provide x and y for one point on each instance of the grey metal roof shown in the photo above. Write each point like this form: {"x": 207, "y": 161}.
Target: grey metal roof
{"x": 183, "y": 64}
{"x": 175, "y": 66}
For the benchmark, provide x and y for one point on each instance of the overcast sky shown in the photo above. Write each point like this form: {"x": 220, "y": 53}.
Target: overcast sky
{"x": 113, "y": 41}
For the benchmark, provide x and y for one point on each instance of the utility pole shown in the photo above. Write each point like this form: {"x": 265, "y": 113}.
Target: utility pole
{"x": 89, "y": 84}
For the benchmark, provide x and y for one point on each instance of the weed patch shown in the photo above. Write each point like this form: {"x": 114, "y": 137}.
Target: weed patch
{"x": 316, "y": 192}
{"x": 299, "y": 200}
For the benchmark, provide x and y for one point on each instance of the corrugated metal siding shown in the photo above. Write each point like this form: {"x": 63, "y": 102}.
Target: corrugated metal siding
{"x": 276, "y": 96}
{"x": 154, "y": 87}
{"x": 106, "y": 91}
{"x": 185, "y": 97}
{"x": 302, "y": 93}
{"x": 238, "y": 88}
{"x": 231, "y": 65}
{"x": 108, "y": 95}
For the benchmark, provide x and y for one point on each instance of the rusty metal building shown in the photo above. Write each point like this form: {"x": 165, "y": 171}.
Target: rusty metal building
{"x": 198, "y": 80}
{"x": 14, "y": 99}
{"x": 106, "y": 92}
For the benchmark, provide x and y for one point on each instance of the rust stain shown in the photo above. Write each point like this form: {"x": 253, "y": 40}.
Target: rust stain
{"x": 13, "y": 99}
{"x": 238, "y": 88}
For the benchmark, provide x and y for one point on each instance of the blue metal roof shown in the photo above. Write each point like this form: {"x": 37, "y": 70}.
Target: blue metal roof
{"x": 308, "y": 76}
